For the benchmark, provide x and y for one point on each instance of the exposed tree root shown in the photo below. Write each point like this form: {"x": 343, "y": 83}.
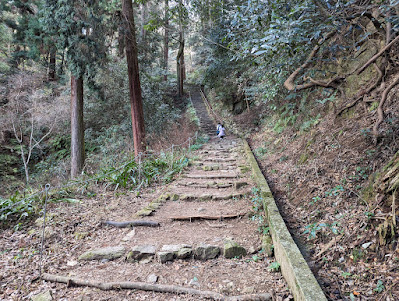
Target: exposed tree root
{"x": 362, "y": 93}
{"x": 135, "y": 223}
{"x": 380, "y": 111}
{"x": 206, "y": 217}
{"x": 161, "y": 288}
{"x": 370, "y": 61}
{"x": 289, "y": 83}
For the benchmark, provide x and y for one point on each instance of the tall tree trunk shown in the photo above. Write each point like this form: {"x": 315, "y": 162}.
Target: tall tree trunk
{"x": 144, "y": 11}
{"x": 180, "y": 53}
{"x": 166, "y": 41}
{"x": 77, "y": 127}
{"x": 134, "y": 78}
{"x": 180, "y": 64}
{"x": 121, "y": 36}
{"x": 52, "y": 64}
{"x": 61, "y": 71}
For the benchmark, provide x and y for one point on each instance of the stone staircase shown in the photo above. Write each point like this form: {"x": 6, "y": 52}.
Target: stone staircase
{"x": 208, "y": 237}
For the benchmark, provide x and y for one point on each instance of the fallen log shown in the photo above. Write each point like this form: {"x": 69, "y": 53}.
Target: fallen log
{"x": 206, "y": 217}
{"x": 161, "y": 288}
{"x": 135, "y": 223}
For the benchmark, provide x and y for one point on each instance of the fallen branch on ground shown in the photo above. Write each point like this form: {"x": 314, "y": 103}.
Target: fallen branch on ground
{"x": 370, "y": 61}
{"x": 161, "y": 288}
{"x": 207, "y": 217}
{"x": 136, "y": 223}
{"x": 380, "y": 111}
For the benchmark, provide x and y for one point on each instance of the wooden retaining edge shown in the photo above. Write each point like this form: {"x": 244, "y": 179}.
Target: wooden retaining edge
{"x": 294, "y": 268}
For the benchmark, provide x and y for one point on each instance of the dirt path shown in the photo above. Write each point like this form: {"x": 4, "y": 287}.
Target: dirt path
{"x": 189, "y": 253}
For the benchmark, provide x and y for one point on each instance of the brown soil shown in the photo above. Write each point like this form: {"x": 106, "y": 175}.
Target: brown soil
{"x": 320, "y": 180}
{"x": 75, "y": 228}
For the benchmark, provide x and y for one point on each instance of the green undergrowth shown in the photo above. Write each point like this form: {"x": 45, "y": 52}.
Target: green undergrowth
{"x": 132, "y": 175}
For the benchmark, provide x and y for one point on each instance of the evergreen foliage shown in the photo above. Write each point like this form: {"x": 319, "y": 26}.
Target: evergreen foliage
{"x": 78, "y": 27}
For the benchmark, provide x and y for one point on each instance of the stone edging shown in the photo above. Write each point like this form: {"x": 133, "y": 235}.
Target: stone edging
{"x": 294, "y": 268}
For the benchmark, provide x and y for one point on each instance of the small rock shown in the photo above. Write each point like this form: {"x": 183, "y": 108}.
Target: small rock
{"x": 194, "y": 282}
{"x": 205, "y": 252}
{"x": 142, "y": 253}
{"x": 154, "y": 205}
{"x": 233, "y": 250}
{"x": 80, "y": 235}
{"x": 248, "y": 290}
{"x": 341, "y": 259}
{"x": 253, "y": 250}
{"x": 72, "y": 263}
{"x": 104, "y": 253}
{"x": 201, "y": 209}
{"x": 145, "y": 212}
{"x": 366, "y": 245}
{"x": 238, "y": 185}
{"x": 267, "y": 245}
{"x": 184, "y": 253}
{"x": 165, "y": 256}
{"x": 129, "y": 236}
{"x": 46, "y": 296}
{"x": 152, "y": 278}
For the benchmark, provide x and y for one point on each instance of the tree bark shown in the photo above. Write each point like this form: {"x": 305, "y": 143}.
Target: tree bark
{"x": 180, "y": 64}
{"x": 166, "y": 42}
{"x": 180, "y": 53}
{"x": 136, "y": 100}
{"x": 52, "y": 64}
{"x": 77, "y": 127}
{"x": 121, "y": 36}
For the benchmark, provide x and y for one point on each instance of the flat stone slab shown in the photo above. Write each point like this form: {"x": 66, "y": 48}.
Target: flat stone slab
{"x": 205, "y": 252}
{"x": 129, "y": 236}
{"x": 219, "y": 160}
{"x": 46, "y": 296}
{"x": 214, "y": 176}
{"x": 174, "y": 248}
{"x": 170, "y": 252}
{"x": 213, "y": 197}
{"x": 165, "y": 256}
{"x": 142, "y": 253}
{"x": 109, "y": 253}
{"x": 184, "y": 253}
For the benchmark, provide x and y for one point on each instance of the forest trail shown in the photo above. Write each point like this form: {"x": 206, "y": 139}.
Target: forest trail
{"x": 208, "y": 238}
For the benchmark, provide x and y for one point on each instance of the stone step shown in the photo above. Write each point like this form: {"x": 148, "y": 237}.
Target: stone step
{"x": 211, "y": 176}
{"x": 213, "y": 184}
{"x": 219, "y": 159}
{"x": 203, "y": 197}
{"x": 206, "y": 185}
{"x": 148, "y": 253}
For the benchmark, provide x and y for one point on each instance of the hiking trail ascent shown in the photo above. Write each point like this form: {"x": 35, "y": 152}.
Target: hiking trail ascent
{"x": 202, "y": 239}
